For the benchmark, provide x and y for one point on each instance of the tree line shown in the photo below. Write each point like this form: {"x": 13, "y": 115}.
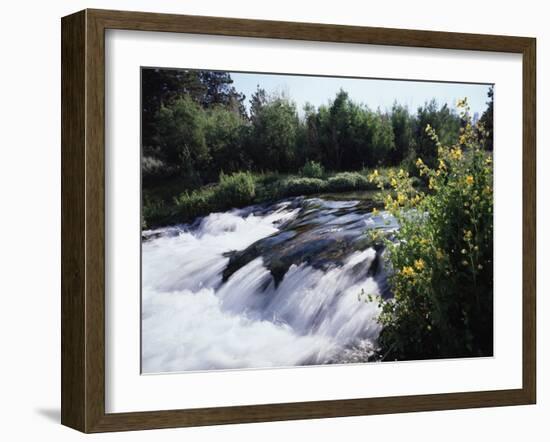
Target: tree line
{"x": 195, "y": 125}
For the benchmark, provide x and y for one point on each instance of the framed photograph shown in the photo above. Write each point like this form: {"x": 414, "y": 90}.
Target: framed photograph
{"x": 269, "y": 220}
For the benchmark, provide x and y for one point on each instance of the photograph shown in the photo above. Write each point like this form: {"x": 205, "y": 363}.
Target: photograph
{"x": 305, "y": 220}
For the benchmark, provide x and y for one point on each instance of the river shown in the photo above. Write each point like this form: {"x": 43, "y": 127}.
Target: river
{"x": 265, "y": 286}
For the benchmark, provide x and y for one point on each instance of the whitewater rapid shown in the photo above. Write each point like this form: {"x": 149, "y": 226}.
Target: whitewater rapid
{"x": 194, "y": 318}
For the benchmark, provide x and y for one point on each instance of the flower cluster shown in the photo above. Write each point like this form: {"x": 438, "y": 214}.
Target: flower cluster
{"x": 442, "y": 253}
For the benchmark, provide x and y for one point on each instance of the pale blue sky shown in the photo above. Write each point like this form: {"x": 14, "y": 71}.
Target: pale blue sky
{"x": 372, "y": 92}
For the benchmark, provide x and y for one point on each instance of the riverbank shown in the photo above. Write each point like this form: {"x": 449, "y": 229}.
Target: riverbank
{"x": 165, "y": 206}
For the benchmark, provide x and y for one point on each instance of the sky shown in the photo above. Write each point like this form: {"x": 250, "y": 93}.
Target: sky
{"x": 372, "y": 92}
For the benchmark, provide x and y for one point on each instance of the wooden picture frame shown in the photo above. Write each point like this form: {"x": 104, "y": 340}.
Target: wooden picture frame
{"x": 83, "y": 220}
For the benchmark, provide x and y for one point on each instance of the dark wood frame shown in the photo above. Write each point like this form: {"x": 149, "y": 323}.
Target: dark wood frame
{"x": 83, "y": 216}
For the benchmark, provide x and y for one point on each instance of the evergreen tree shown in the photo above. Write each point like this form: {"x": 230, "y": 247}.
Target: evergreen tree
{"x": 402, "y": 126}
{"x": 487, "y": 121}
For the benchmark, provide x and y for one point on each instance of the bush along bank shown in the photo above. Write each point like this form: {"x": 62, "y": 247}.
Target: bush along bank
{"x": 442, "y": 255}
{"x": 241, "y": 189}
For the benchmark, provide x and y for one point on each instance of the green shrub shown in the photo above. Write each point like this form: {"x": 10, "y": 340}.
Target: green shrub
{"x": 269, "y": 187}
{"x": 313, "y": 169}
{"x": 345, "y": 181}
{"x": 194, "y": 204}
{"x": 302, "y": 186}
{"x": 235, "y": 190}
{"x": 266, "y": 178}
{"x": 442, "y": 256}
{"x": 153, "y": 211}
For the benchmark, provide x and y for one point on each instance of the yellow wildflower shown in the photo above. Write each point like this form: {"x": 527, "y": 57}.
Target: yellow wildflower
{"x": 373, "y": 175}
{"x": 388, "y": 202}
{"x": 407, "y": 271}
{"x": 419, "y": 264}
{"x": 431, "y": 183}
{"x": 375, "y": 211}
{"x": 393, "y": 182}
{"x": 469, "y": 180}
{"x": 401, "y": 198}
{"x": 456, "y": 154}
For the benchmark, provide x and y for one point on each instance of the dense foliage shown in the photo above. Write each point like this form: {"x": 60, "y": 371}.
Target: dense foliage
{"x": 442, "y": 255}
{"x": 195, "y": 127}
{"x": 313, "y": 169}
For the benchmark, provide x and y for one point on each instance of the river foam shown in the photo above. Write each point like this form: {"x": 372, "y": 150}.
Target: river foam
{"x": 193, "y": 320}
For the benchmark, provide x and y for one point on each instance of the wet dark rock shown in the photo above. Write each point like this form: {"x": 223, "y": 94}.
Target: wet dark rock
{"x": 323, "y": 234}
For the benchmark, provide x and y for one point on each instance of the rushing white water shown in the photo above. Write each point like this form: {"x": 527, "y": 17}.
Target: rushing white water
{"x": 194, "y": 320}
